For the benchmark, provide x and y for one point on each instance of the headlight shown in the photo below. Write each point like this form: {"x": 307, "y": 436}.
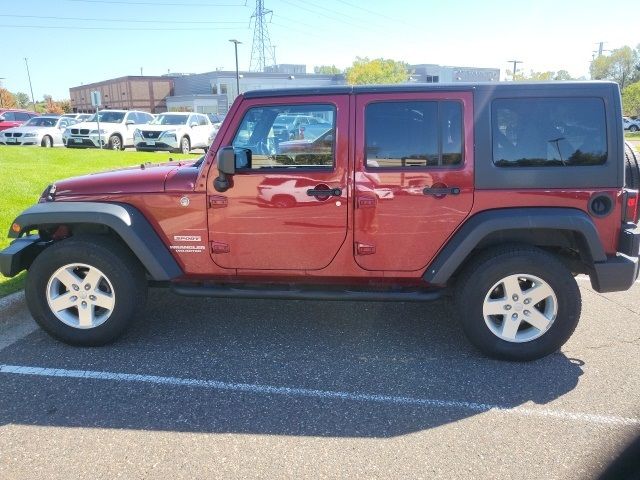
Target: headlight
{"x": 168, "y": 133}
{"x": 137, "y": 133}
{"x": 31, "y": 134}
{"x": 95, "y": 132}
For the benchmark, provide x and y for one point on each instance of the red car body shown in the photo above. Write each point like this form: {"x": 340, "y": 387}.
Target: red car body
{"x": 11, "y": 117}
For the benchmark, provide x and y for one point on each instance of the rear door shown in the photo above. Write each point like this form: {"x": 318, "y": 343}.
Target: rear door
{"x": 287, "y": 210}
{"x": 413, "y": 178}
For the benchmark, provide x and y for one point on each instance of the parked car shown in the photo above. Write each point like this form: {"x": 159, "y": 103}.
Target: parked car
{"x": 45, "y": 131}
{"x": 500, "y": 221}
{"x": 11, "y": 117}
{"x": 174, "y": 132}
{"x": 78, "y": 117}
{"x": 116, "y": 130}
{"x": 633, "y": 125}
{"x": 289, "y": 127}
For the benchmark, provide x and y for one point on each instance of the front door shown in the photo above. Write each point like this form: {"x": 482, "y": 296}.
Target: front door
{"x": 287, "y": 210}
{"x": 413, "y": 176}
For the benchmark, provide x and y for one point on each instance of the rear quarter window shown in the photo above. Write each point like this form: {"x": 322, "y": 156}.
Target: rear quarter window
{"x": 548, "y": 132}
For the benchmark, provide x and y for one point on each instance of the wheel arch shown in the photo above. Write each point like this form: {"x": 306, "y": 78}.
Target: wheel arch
{"x": 551, "y": 228}
{"x": 125, "y": 221}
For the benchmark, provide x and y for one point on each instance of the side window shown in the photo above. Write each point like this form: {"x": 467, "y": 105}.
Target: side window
{"x": 132, "y": 117}
{"x": 548, "y": 132}
{"x": 9, "y": 116}
{"x": 413, "y": 134}
{"x": 202, "y": 120}
{"x": 273, "y": 135}
{"x": 145, "y": 117}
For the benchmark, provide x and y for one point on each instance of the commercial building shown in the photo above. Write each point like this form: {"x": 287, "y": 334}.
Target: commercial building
{"x": 145, "y": 93}
{"x": 429, "y": 73}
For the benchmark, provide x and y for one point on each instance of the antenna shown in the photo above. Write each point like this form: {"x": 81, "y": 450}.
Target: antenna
{"x": 262, "y": 52}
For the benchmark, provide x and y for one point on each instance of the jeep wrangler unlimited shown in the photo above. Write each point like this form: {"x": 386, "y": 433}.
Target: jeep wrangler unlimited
{"x": 497, "y": 193}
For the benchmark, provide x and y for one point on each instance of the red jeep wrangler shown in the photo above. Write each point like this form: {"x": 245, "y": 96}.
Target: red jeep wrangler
{"x": 497, "y": 193}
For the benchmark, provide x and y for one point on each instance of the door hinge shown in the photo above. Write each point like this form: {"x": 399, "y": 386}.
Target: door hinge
{"x": 219, "y": 247}
{"x": 365, "y": 249}
{"x": 217, "y": 201}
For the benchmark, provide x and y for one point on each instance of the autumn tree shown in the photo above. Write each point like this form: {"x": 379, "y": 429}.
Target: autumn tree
{"x": 7, "y": 99}
{"x": 376, "y": 71}
{"x": 621, "y": 66}
{"x": 326, "y": 70}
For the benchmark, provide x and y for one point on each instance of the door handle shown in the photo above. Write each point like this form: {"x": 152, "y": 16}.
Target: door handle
{"x": 441, "y": 191}
{"x": 320, "y": 192}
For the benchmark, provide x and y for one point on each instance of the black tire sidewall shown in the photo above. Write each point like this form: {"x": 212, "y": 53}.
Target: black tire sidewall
{"x": 111, "y": 259}
{"x": 112, "y": 146}
{"x": 545, "y": 266}
{"x": 182, "y": 141}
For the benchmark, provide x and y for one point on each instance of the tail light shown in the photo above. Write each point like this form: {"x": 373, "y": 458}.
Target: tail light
{"x": 630, "y": 206}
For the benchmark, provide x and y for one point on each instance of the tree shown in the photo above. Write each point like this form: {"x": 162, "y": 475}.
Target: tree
{"x": 562, "y": 75}
{"x": 621, "y": 66}
{"x": 22, "y": 100}
{"x": 631, "y": 100}
{"x": 326, "y": 70}
{"x": 547, "y": 76}
{"x": 377, "y": 71}
{"x": 7, "y": 100}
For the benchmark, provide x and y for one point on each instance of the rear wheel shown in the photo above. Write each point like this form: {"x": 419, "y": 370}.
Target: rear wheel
{"x": 47, "y": 142}
{"x": 86, "y": 290}
{"x": 633, "y": 128}
{"x": 185, "y": 145}
{"x": 517, "y": 303}
{"x": 115, "y": 143}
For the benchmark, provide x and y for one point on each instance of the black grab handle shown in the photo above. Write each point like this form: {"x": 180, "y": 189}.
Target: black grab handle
{"x": 331, "y": 192}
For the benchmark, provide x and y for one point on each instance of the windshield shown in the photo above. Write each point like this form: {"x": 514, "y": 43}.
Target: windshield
{"x": 41, "y": 122}
{"x": 109, "y": 117}
{"x": 170, "y": 119}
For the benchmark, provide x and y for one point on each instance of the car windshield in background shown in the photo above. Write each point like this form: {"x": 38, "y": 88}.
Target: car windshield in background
{"x": 170, "y": 120}
{"x": 41, "y": 122}
{"x": 109, "y": 117}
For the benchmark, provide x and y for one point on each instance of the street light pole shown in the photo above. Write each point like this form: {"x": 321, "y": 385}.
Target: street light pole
{"x": 1, "y": 105}
{"x": 235, "y": 44}
{"x": 515, "y": 66}
{"x": 33, "y": 100}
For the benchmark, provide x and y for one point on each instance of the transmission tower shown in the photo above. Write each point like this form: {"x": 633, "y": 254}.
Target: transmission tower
{"x": 262, "y": 52}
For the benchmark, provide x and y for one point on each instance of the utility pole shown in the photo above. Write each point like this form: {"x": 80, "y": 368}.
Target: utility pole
{"x": 33, "y": 100}
{"x": 261, "y": 49}
{"x": 141, "y": 71}
{"x": 515, "y": 67}
{"x": 1, "y": 105}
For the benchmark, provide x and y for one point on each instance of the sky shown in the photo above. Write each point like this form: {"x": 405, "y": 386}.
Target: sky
{"x": 73, "y": 42}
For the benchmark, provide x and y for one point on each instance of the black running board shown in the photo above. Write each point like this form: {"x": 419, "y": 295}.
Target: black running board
{"x": 194, "y": 290}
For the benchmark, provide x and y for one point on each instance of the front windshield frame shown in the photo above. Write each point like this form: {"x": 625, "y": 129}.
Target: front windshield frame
{"x": 160, "y": 119}
{"x": 108, "y": 117}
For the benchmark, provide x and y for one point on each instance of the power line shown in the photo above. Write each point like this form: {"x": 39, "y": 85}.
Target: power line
{"x": 163, "y": 29}
{"x": 375, "y": 13}
{"x": 119, "y": 20}
{"x": 156, "y": 4}
{"x": 261, "y": 49}
{"x": 330, "y": 17}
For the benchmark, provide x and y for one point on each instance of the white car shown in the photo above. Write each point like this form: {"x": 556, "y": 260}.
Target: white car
{"x": 116, "y": 130}
{"x": 79, "y": 117}
{"x": 175, "y": 132}
{"x": 45, "y": 131}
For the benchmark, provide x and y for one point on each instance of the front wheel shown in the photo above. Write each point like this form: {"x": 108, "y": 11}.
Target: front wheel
{"x": 517, "y": 303}
{"x": 115, "y": 143}
{"x": 633, "y": 128}
{"x": 86, "y": 290}
{"x": 47, "y": 142}
{"x": 185, "y": 145}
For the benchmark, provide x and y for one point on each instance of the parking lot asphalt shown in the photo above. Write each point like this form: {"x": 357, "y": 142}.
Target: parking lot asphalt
{"x": 209, "y": 388}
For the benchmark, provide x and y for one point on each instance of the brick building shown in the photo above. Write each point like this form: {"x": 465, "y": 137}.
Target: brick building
{"x": 147, "y": 93}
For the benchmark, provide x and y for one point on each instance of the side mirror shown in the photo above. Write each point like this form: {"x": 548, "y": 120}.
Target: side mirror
{"x": 228, "y": 160}
{"x": 193, "y": 124}
{"x": 1, "y": 118}
{"x": 130, "y": 122}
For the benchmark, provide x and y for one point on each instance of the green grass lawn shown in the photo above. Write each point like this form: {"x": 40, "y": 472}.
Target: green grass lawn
{"x": 26, "y": 171}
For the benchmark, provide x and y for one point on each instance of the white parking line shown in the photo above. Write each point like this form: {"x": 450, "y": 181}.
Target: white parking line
{"x": 610, "y": 420}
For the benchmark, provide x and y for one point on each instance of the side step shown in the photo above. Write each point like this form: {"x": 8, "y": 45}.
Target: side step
{"x": 207, "y": 290}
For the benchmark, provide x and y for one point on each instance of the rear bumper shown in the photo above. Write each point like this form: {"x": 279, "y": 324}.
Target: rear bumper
{"x": 619, "y": 272}
{"x": 19, "y": 255}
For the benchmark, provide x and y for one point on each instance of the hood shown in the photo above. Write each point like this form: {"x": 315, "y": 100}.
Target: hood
{"x": 145, "y": 178}
{"x": 93, "y": 125}
{"x": 159, "y": 128}
{"x": 29, "y": 129}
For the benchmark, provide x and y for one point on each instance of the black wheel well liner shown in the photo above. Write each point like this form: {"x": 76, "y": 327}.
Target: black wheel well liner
{"x": 540, "y": 226}
{"x": 127, "y": 222}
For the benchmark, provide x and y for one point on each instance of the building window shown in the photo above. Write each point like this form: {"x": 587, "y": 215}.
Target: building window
{"x": 223, "y": 89}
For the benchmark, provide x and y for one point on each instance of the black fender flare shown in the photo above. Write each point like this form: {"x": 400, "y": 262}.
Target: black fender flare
{"x": 125, "y": 220}
{"x": 483, "y": 224}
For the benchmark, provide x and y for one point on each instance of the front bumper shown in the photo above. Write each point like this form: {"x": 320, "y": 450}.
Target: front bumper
{"x": 19, "y": 141}
{"x": 161, "y": 143}
{"x": 86, "y": 141}
{"x": 619, "y": 272}
{"x": 20, "y": 254}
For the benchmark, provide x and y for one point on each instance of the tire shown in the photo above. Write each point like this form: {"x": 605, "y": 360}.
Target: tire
{"x": 633, "y": 128}
{"x": 631, "y": 167}
{"x": 47, "y": 142}
{"x": 119, "y": 294}
{"x": 115, "y": 143}
{"x": 185, "y": 145}
{"x": 517, "y": 268}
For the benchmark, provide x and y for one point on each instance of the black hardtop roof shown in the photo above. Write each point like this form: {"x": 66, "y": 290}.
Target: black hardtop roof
{"x": 428, "y": 87}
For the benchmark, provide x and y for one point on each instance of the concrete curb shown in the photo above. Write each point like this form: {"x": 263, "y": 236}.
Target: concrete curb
{"x": 11, "y": 304}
